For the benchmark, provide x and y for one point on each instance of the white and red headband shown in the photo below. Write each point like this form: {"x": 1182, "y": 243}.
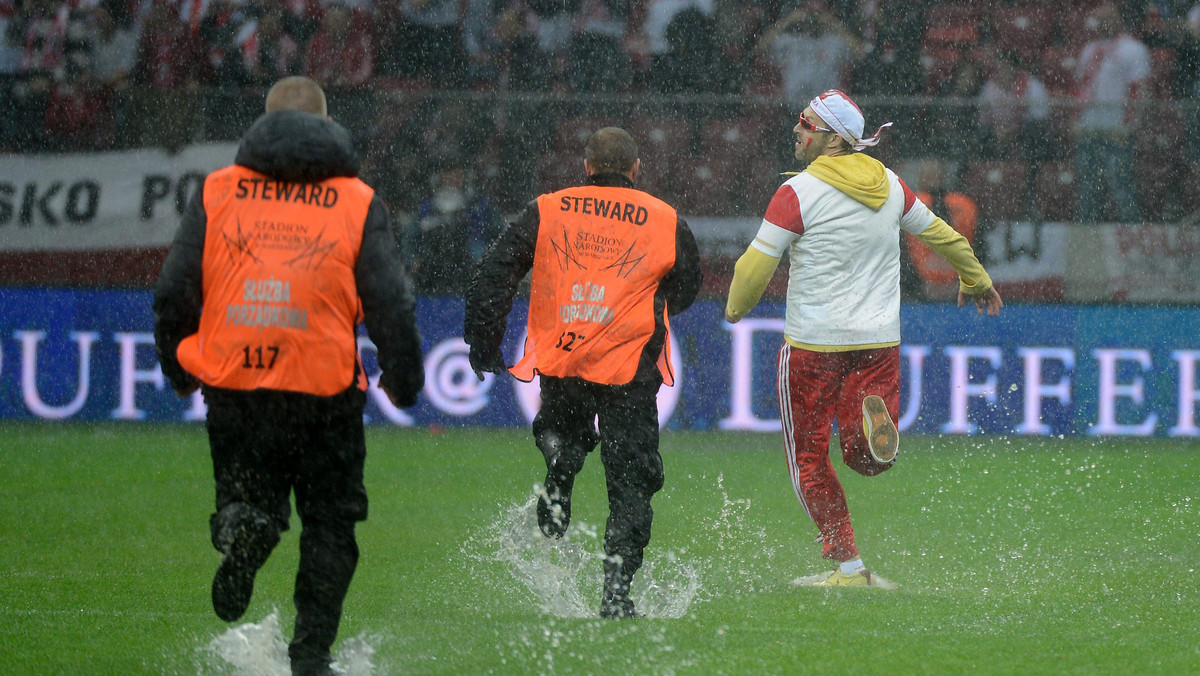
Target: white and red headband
{"x": 844, "y": 118}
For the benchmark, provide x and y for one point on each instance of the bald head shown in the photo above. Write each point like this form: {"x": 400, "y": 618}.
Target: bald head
{"x": 297, "y": 93}
{"x": 611, "y": 149}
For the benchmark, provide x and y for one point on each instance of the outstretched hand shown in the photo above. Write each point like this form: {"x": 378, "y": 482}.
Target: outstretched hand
{"x": 988, "y": 300}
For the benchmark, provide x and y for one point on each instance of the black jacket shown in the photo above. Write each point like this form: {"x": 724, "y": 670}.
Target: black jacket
{"x": 510, "y": 258}
{"x": 298, "y": 147}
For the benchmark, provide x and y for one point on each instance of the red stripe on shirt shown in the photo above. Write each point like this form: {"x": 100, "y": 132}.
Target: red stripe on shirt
{"x": 910, "y": 197}
{"x": 784, "y": 210}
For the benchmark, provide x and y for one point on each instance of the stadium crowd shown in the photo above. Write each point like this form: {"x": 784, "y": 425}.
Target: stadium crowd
{"x": 504, "y": 87}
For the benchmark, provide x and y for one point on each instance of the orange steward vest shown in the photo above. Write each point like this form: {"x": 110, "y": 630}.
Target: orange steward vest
{"x": 963, "y": 215}
{"x": 280, "y": 302}
{"x": 601, "y": 252}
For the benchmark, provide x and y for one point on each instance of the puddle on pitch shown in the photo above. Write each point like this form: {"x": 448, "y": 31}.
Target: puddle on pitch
{"x": 565, "y": 575}
{"x": 259, "y": 649}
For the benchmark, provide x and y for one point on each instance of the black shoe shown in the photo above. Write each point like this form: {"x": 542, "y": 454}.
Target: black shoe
{"x": 246, "y": 549}
{"x": 617, "y": 608}
{"x": 615, "y": 603}
{"x": 319, "y": 668}
{"x": 554, "y": 505}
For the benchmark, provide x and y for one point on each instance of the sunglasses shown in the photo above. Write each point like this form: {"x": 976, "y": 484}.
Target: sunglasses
{"x": 808, "y": 126}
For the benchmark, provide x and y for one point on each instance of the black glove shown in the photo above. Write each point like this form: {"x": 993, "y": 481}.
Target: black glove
{"x": 486, "y": 360}
{"x": 403, "y": 388}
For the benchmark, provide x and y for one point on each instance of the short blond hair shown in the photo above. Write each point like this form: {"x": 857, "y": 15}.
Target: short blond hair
{"x": 297, "y": 93}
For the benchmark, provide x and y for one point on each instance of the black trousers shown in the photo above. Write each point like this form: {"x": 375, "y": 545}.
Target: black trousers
{"x": 628, "y": 435}
{"x": 266, "y": 445}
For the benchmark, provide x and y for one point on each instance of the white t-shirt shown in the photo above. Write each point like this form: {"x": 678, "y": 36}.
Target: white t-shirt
{"x": 1000, "y": 106}
{"x": 1106, "y": 71}
{"x": 811, "y": 65}
{"x": 844, "y": 282}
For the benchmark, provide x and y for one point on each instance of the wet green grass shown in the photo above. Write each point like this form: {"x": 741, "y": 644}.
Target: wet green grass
{"x": 1010, "y": 556}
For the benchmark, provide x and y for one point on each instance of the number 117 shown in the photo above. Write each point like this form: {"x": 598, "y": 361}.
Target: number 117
{"x": 257, "y": 352}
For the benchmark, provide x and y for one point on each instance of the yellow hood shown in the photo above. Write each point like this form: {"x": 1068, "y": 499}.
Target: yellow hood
{"x": 861, "y": 177}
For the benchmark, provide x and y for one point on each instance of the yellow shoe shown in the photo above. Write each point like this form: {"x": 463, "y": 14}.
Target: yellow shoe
{"x": 883, "y": 438}
{"x": 839, "y": 579}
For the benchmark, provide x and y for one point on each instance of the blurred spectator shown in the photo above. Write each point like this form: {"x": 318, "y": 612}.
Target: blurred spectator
{"x": 418, "y": 135}
{"x": 738, "y": 26}
{"x": 427, "y": 42}
{"x": 10, "y": 50}
{"x": 951, "y": 122}
{"x": 891, "y": 66}
{"x": 10, "y": 64}
{"x": 225, "y": 30}
{"x": 551, "y": 21}
{"x": 169, "y": 55}
{"x": 935, "y": 278}
{"x": 1110, "y": 77}
{"x": 77, "y": 114}
{"x": 1014, "y": 111}
{"x": 339, "y": 56}
{"x": 97, "y": 60}
{"x": 522, "y": 61}
{"x": 812, "y": 49}
{"x": 269, "y": 51}
{"x": 892, "y": 31}
{"x": 455, "y": 127}
{"x": 478, "y": 31}
{"x": 678, "y": 70}
{"x": 39, "y": 29}
{"x": 303, "y": 18}
{"x": 1189, "y": 61}
{"x": 191, "y": 13}
{"x": 114, "y": 44}
{"x": 394, "y": 162}
{"x": 220, "y": 27}
{"x": 450, "y": 232}
{"x": 1165, "y": 26}
{"x": 531, "y": 38}
{"x": 114, "y": 52}
{"x": 596, "y": 56}
{"x": 169, "y": 67}
{"x": 652, "y": 37}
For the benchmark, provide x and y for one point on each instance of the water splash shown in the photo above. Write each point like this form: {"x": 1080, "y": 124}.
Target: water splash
{"x": 734, "y": 541}
{"x": 253, "y": 649}
{"x": 259, "y": 649}
{"x": 565, "y": 575}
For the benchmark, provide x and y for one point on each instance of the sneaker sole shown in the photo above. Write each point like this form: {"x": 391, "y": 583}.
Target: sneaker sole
{"x": 883, "y": 439}
{"x": 232, "y": 588}
{"x": 828, "y": 582}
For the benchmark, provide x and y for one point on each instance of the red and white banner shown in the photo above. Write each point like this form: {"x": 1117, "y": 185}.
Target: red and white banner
{"x": 98, "y": 201}
{"x": 1152, "y": 263}
{"x": 1027, "y": 261}
{"x": 96, "y": 219}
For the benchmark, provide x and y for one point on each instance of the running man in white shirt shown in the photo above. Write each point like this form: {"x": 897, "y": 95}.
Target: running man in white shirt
{"x": 839, "y": 220}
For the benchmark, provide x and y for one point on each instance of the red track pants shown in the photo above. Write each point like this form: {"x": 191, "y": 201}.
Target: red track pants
{"x": 814, "y": 387}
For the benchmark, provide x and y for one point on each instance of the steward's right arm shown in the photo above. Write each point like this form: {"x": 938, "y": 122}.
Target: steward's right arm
{"x": 496, "y": 278}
